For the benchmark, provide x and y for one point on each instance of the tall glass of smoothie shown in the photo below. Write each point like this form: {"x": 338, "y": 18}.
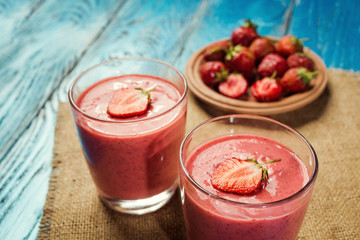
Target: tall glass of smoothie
{"x": 130, "y": 115}
{"x": 222, "y": 195}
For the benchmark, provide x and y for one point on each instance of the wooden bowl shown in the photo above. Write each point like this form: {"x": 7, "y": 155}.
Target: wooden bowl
{"x": 248, "y": 104}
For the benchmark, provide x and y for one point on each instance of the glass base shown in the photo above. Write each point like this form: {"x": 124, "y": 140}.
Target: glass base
{"x": 140, "y": 206}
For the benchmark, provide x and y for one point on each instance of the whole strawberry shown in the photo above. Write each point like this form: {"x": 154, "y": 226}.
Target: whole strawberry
{"x": 261, "y": 47}
{"x": 235, "y": 86}
{"x": 213, "y": 72}
{"x": 217, "y": 52}
{"x": 300, "y": 60}
{"x": 297, "y": 79}
{"x": 240, "y": 176}
{"x": 266, "y": 90}
{"x": 272, "y": 63}
{"x": 244, "y": 35}
{"x": 241, "y": 60}
{"x": 288, "y": 45}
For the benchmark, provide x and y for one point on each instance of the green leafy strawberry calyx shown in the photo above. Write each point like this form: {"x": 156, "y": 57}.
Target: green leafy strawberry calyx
{"x": 265, "y": 174}
{"x": 232, "y": 51}
{"x": 147, "y": 93}
{"x": 296, "y": 42}
{"x": 221, "y": 76}
{"x": 250, "y": 24}
{"x": 306, "y": 75}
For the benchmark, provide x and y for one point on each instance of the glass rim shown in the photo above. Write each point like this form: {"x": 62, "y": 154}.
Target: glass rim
{"x": 303, "y": 190}
{"x": 75, "y": 106}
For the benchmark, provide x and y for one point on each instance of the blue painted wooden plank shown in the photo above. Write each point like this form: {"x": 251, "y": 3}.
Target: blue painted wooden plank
{"x": 161, "y": 45}
{"x": 87, "y": 32}
{"x": 172, "y": 32}
{"x": 25, "y": 173}
{"x": 39, "y": 48}
{"x": 222, "y": 17}
{"x": 333, "y": 30}
{"x": 44, "y": 48}
{"x": 143, "y": 29}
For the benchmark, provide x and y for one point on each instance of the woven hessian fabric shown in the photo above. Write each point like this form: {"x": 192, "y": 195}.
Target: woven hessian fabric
{"x": 331, "y": 124}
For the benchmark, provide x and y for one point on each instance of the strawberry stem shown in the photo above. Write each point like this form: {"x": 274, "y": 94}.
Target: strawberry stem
{"x": 250, "y": 24}
{"x": 232, "y": 51}
{"x": 273, "y": 74}
{"x": 147, "y": 93}
{"x": 265, "y": 174}
{"x": 296, "y": 42}
{"x": 221, "y": 76}
{"x": 306, "y": 75}
{"x": 270, "y": 161}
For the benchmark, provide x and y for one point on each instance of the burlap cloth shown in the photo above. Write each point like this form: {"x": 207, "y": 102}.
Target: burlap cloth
{"x": 331, "y": 124}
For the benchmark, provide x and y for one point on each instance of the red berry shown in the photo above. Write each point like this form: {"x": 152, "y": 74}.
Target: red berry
{"x": 266, "y": 90}
{"x": 272, "y": 63}
{"x": 241, "y": 60}
{"x": 213, "y": 72}
{"x": 239, "y": 176}
{"x": 300, "y": 60}
{"x": 261, "y": 47}
{"x": 217, "y": 52}
{"x": 127, "y": 102}
{"x": 288, "y": 45}
{"x": 235, "y": 86}
{"x": 244, "y": 35}
{"x": 297, "y": 79}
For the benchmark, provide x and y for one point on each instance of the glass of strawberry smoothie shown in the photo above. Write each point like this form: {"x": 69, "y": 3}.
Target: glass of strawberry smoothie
{"x": 275, "y": 209}
{"x": 133, "y": 159}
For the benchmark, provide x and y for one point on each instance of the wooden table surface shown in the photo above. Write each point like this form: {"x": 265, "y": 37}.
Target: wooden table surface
{"x": 46, "y": 44}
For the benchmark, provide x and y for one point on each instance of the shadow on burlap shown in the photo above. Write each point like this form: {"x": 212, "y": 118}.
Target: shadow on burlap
{"x": 331, "y": 124}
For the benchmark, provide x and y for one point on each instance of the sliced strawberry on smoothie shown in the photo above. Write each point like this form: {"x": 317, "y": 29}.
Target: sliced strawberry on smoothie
{"x": 240, "y": 176}
{"x": 235, "y": 86}
{"x": 127, "y": 102}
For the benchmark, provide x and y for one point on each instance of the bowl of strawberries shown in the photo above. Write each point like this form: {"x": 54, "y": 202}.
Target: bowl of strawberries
{"x": 254, "y": 74}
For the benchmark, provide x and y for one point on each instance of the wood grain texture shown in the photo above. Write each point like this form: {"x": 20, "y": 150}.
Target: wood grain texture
{"x": 332, "y": 28}
{"x": 46, "y": 44}
{"x": 41, "y": 46}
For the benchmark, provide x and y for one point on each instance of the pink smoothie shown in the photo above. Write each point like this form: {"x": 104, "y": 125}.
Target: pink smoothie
{"x": 137, "y": 157}
{"x": 211, "y": 218}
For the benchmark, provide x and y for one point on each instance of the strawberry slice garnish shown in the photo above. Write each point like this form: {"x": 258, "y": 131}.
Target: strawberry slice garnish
{"x": 240, "y": 176}
{"x": 127, "y": 102}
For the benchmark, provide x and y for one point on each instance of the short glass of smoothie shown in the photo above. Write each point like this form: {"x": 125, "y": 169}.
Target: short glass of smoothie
{"x": 133, "y": 159}
{"x": 275, "y": 209}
